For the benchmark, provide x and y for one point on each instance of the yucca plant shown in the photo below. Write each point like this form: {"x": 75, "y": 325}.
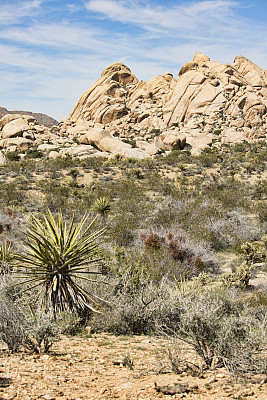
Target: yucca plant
{"x": 57, "y": 257}
{"x": 102, "y": 206}
{"x": 6, "y": 256}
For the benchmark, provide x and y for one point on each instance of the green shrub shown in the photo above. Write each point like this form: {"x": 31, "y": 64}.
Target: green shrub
{"x": 12, "y": 156}
{"x": 155, "y": 131}
{"x": 254, "y": 251}
{"x": 132, "y": 142}
{"x": 34, "y": 153}
{"x": 69, "y": 323}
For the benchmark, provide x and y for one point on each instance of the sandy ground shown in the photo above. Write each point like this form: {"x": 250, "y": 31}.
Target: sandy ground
{"x": 108, "y": 367}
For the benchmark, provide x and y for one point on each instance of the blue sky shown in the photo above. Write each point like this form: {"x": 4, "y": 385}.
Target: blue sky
{"x": 51, "y": 51}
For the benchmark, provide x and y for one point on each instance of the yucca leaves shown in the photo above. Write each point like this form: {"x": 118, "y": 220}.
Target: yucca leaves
{"x": 56, "y": 257}
{"x": 102, "y": 206}
{"x": 6, "y": 256}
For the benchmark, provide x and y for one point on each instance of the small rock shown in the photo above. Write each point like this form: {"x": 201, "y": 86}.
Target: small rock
{"x": 176, "y": 389}
{"x": 211, "y": 380}
{"x": 49, "y": 396}
{"x": 88, "y": 330}
{"x": 119, "y": 361}
{"x": 53, "y": 155}
{"x": 259, "y": 378}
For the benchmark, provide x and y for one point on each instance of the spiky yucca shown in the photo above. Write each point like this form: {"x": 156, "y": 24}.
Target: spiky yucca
{"x": 102, "y": 206}
{"x": 57, "y": 256}
{"x": 6, "y": 256}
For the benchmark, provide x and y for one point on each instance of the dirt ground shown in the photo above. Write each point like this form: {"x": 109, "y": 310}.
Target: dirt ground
{"x": 104, "y": 366}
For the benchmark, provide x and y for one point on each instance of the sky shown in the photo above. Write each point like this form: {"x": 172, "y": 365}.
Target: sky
{"x": 51, "y": 51}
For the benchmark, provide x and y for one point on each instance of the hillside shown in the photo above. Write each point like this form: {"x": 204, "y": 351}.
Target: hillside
{"x": 42, "y": 119}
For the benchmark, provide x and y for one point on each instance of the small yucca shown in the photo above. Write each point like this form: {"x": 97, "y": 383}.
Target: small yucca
{"x": 57, "y": 256}
{"x": 102, "y": 206}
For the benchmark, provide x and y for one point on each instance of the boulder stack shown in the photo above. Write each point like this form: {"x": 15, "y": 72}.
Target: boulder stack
{"x": 208, "y": 104}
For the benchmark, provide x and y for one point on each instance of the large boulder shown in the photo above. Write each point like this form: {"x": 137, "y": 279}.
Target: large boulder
{"x": 173, "y": 141}
{"x": 104, "y": 141}
{"x": 105, "y": 100}
{"x": 15, "y": 128}
{"x": 254, "y": 75}
{"x": 21, "y": 144}
{"x": 11, "y": 117}
{"x": 148, "y": 148}
{"x": 232, "y": 136}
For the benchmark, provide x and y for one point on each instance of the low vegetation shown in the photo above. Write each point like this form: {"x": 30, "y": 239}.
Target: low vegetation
{"x": 171, "y": 246}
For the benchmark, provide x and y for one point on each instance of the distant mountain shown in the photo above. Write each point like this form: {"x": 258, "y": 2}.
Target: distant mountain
{"x": 42, "y": 119}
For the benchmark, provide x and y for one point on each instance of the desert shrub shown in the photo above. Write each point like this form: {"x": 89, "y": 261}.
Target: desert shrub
{"x": 130, "y": 141}
{"x": 13, "y": 193}
{"x": 153, "y": 241}
{"x": 40, "y": 333}
{"x": 218, "y": 325}
{"x": 155, "y": 131}
{"x": 207, "y": 219}
{"x": 240, "y": 277}
{"x": 34, "y": 153}
{"x": 135, "y": 301}
{"x": 12, "y": 156}
{"x": 261, "y": 210}
{"x": 207, "y": 159}
{"x": 182, "y": 255}
{"x": 69, "y": 323}
{"x": 12, "y": 330}
{"x": 135, "y": 172}
{"x": 260, "y": 189}
{"x": 20, "y": 327}
{"x": 254, "y": 251}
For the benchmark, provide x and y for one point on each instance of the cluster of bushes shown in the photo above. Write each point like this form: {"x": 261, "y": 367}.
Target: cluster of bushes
{"x": 164, "y": 240}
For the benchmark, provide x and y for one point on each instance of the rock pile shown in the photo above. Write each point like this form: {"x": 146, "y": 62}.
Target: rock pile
{"x": 209, "y": 104}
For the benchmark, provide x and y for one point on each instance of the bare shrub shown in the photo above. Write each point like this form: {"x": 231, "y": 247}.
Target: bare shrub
{"x": 190, "y": 257}
{"x": 135, "y": 302}
{"x": 218, "y": 325}
{"x": 11, "y": 324}
{"x": 19, "y": 328}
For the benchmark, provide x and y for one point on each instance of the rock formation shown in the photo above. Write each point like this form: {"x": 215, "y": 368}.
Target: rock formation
{"x": 208, "y": 104}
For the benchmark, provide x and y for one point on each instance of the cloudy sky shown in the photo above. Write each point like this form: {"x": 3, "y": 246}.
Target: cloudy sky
{"x": 51, "y": 51}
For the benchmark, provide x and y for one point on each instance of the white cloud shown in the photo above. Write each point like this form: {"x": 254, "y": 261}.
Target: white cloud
{"x": 47, "y": 64}
{"x": 12, "y": 12}
{"x": 199, "y": 24}
{"x": 60, "y": 34}
{"x": 73, "y": 7}
{"x": 164, "y": 18}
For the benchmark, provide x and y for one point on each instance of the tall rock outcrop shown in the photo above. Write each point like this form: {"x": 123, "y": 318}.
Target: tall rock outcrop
{"x": 105, "y": 101}
{"x": 208, "y": 102}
